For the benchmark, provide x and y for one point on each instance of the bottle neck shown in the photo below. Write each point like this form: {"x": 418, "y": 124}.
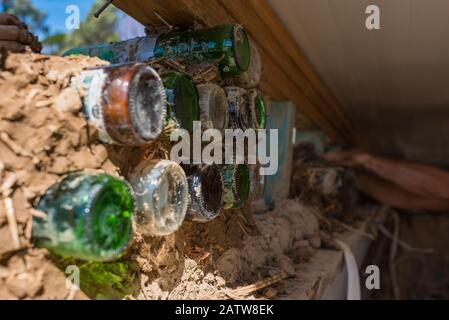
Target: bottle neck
{"x": 141, "y": 49}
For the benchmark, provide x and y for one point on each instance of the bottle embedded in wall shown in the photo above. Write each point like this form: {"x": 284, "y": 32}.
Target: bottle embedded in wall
{"x": 214, "y": 107}
{"x": 240, "y": 113}
{"x": 258, "y": 108}
{"x": 88, "y": 216}
{"x": 228, "y": 45}
{"x": 182, "y": 99}
{"x": 251, "y": 77}
{"x": 125, "y": 103}
{"x": 161, "y": 192}
{"x": 205, "y": 192}
{"x": 236, "y": 185}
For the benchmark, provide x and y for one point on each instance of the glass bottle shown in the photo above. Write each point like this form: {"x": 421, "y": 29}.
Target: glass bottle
{"x": 182, "y": 99}
{"x": 240, "y": 113}
{"x": 88, "y": 217}
{"x": 205, "y": 192}
{"x": 251, "y": 77}
{"x": 125, "y": 103}
{"x": 214, "y": 106}
{"x": 139, "y": 49}
{"x": 228, "y": 44}
{"x": 259, "y": 109}
{"x": 236, "y": 185}
{"x": 257, "y": 182}
{"x": 161, "y": 192}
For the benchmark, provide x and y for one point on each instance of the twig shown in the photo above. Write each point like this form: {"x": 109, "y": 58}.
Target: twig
{"x": 358, "y": 231}
{"x": 10, "y": 215}
{"x": 243, "y": 228}
{"x": 2, "y": 168}
{"x": 176, "y": 65}
{"x": 252, "y": 288}
{"x": 393, "y": 253}
{"x": 38, "y": 213}
{"x": 18, "y": 150}
{"x": 404, "y": 245}
{"x": 169, "y": 26}
{"x": 5, "y": 188}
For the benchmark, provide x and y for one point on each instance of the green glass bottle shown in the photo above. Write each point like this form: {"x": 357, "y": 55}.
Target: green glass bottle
{"x": 259, "y": 109}
{"x": 236, "y": 186}
{"x": 134, "y": 50}
{"x": 214, "y": 107}
{"x": 88, "y": 217}
{"x": 226, "y": 44}
{"x": 182, "y": 99}
{"x": 205, "y": 192}
{"x": 161, "y": 197}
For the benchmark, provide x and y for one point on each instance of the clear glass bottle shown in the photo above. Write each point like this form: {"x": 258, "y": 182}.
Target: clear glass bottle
{"x": 161, "y": 192}
{"x": 236, "y": 185}
{"x": 251, "y": 77}
{"x": 240, "y": 113}
{"x": 228, "y": 44}
{"x": 182, "y": 99}
{"x": 88, "y": 217}
{"x": 205, "y": 192}
{"x": 126, "y": 103}
{"x": 214, "y": 107}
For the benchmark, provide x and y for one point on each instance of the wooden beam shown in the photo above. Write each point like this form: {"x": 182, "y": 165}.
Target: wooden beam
{"x": 287, "y": 73}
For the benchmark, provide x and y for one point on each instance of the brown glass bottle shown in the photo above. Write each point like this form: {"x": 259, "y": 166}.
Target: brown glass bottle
{"x": 126, "y": 103}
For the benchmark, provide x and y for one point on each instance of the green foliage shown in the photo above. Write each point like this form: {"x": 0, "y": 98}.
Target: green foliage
{"x": 27, "y": 13}
{"x": 92, "y": 31}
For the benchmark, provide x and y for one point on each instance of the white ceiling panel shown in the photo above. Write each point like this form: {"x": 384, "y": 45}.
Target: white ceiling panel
{"x": 393, "y": 82}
